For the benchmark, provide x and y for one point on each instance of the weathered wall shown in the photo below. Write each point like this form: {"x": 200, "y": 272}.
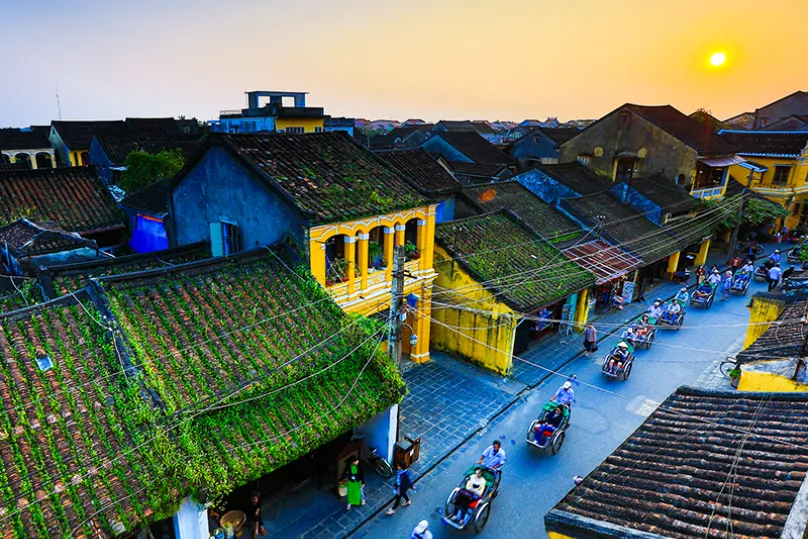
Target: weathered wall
{"x": 221, "y": 188}
{"x": 762, "y": 313}
{"x": 766, "y": 381}
{"x": 664, "y": 152}
{"x": 485, "y": 339}
{"x": 797, "y": 104}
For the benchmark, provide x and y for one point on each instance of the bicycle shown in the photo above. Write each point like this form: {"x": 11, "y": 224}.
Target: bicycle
{"x": 729, "y": 365}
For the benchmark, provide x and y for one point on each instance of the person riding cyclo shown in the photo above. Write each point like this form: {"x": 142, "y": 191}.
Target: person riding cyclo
{"x": 745, "y": 273}
{"x": 715, "y": 278}
{"x": 549, "y": 423}
{"x": 619, "y": 356}
{"x": 682, "y": 296}
{"x": 655, "y": 312}
{"x": 672, "y": 312}
{"x": 642, "y": 327}
{"x": 629, "y": 336}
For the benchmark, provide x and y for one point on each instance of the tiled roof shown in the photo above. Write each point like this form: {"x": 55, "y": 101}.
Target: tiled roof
{"x": 698, "y": 136}
{"x": 559, "y": 135}
{"x": 577, "y": 177}
{"x": 496, "y": 246}
{"x": 119, "y": 145}
{"x": 423, "y": 172}
{"x": 768, "y": 142}
{"x": 79, "y": 135}
{"x": 327, "y": 175}
{"x": 152, "y": 199}
{"x": 630, "y": 229}
{"x": 603, "y": 259}
{"x": 85, "y": 446}
{"x": 664, "y": 192}
{"x": 27, "y": 238}
{"x": 73, "y": 198}
{"x": 476, "y": 148}
{"x": 12, "y": 138}
{"x": 66, "y": 278}
{"x": 165, "y": 126}
{"x": 546, "y": 221}
{"x": 782, "y": 339}
{"x": 704, "y": 464}
{"x": 476, "y": 169}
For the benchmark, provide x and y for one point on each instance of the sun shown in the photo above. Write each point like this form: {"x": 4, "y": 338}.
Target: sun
{"x": 718, "y": 59}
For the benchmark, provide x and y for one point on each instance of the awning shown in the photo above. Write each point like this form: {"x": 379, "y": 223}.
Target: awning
{"x": 723, "y": 161}
{"x": 756, "y": 167}
{"x": 603, "y": 259}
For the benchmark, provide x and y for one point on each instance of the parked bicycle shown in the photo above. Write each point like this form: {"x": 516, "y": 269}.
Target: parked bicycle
{"x": 730, "y": 368}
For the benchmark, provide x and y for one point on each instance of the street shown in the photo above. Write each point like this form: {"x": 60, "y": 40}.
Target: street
{"x": 602, "y": 418}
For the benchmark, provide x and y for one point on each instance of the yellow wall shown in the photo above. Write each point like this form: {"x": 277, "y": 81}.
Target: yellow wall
{"x": 556, "y": 535}
{"x": 75, "y": 157}
{"x": 766, "y": 381}
{"x": 308, "y": 124}
{"x": 761, "y": 314}
{"x": 796, "y": 179}
{"x": 481, "y": 327}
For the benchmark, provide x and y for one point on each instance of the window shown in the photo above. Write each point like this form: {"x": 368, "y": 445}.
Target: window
{"x": 225, "y": 238}
{"x": 625, "y": 169}
{"x": 681, "y": 179}
{"x": 625, "y": 117}
{"x": 585, "y": 159}
{"x": 318, "y": 129}
{"x": 294, "y": 130}
{"x": 780, "y": 175}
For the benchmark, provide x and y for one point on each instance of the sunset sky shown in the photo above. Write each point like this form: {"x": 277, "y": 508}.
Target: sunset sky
{"x": 431, "y": 59}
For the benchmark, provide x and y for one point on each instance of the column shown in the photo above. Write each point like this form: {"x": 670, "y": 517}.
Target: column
{"x": 32, "y": 157}
{"x": 430, "y": 239}
{"x": 400, "y": 234}
{"x": 673, "y": 263}
{"x": 422, "y": 318}
{"x": 317, "y": 260}
{"x": 53, "y": 159}
{"x": 422, "y": 247}
{"x": 388, "y": 252}
{"x": 362, "y": 260}
{"x": 582, "y": 309}
{"x": 350, "y": 258}
{"x": 701, "y": 258}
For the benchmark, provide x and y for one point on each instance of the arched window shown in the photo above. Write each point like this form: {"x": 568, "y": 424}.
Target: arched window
{"x": 335, "y": 264}
{"x": 85, "y": 159}
{"x": 680, "y": 180}
{"x": 43, "y": 160}
{"x": 376, "y": 248}
{"x": 411, "y": 247}
{"x": 23, "y": 159}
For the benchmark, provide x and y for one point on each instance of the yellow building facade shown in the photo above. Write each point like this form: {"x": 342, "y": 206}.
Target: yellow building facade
{"x": 367, "y": 290}
{"x": 308, "y": 125}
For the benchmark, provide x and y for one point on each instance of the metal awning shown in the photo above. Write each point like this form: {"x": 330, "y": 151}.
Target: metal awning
{"x": 756, "y": 167}
{"x": 723, "y": 161}
{"x": 603, "y": 259}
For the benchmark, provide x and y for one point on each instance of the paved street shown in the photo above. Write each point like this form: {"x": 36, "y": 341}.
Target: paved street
{"x": 602, "y": 418}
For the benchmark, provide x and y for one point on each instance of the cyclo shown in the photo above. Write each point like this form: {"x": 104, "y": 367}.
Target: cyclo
{"x": 618, "y": 362}
{"x": 543, "y": 433}
{"x": 470, "y": 502}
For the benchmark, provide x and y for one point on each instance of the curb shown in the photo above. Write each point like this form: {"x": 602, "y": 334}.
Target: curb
{"x": 505, "y": 408}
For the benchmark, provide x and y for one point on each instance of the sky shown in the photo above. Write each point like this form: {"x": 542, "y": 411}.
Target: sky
{"x": 429, "y": 59}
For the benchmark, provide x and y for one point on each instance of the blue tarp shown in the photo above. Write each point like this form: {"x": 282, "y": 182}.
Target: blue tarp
{"x": 149, "y": 235}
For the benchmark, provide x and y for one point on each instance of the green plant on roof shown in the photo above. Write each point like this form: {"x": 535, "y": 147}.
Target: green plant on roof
{"x": 143, "y": 168}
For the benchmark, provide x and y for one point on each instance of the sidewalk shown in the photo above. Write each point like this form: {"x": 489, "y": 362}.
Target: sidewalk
{"x": 449, "y": 401}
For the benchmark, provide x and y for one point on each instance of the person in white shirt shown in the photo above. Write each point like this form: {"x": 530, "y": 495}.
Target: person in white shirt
{"x": 774, "y": 276}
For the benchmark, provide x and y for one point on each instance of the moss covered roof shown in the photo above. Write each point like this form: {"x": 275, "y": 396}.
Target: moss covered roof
{"x": 548, "y": 222}
{"x": 328, "y": 175}
{"x": 497, "y": 246}
{"x": 86, "y": 447}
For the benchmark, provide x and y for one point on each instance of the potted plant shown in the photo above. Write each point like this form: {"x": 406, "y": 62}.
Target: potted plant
{"x": 411, "y": 251}
{"x": 337, "y": 271}
{"x": 375, "y": 255}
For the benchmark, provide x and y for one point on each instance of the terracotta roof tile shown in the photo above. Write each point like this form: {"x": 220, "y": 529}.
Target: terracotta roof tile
{"x": 78, "y": 135}
{"x": 691, "y": 470}
{"x": 152, "y": 199}
{"x": 767, "y": 143}
{"x": 476, "y": 148}
{"x": 696, "y": 135}
{"x": 423, "y": 172}
{"x": 73, "y": 198}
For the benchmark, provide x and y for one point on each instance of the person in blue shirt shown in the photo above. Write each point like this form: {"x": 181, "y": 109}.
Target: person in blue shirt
{"x": 565, "y": 394}
{"x": 775, "y": 256}
{"x": 493, "y": 457}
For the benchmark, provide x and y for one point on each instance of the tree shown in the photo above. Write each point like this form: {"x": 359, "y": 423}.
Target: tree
{"x": 143, "y": 168}
{"x": 756, "y": 212}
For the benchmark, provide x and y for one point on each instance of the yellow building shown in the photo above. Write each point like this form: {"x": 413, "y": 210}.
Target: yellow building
{"x": 498, "y": 287}
{"x": 273, "y": 112}
{"x": 776, "y": 168}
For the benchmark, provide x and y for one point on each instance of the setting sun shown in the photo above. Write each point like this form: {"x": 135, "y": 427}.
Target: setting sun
{"x": 718, "y": 58}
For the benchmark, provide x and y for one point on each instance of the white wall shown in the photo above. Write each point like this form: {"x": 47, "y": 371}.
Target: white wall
{"x": 380, "y": 432}
{"x": 191, "y": 521}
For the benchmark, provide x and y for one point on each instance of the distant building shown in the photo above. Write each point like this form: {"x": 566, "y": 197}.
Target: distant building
{"x": 339, "y": 124}
{"x": 413, "y": 121}
{"x": 468, "y": 155}
{"x": 744, "y": 120}
{"x": 540, "y": 145}
{"x": 285, "y": 112}
{"x": 795, "y": 104}
{"x": 640, "y": 141}
{"x": 72, "y": 140}
{"x": 383, "y": 125}
{"x": 795, "y": 122}
{"x": 27, "y": 148}
{"x": 401, "y": 138}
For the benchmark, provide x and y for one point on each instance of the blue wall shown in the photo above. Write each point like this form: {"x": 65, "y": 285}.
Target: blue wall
{"x": 219, "y": 188}
{"x": 529, "y": 147}
{"x": 544, "y": 187}
{"x": 437, "y": 147}
{"x": 639, "y": 202}
{"x": 247, "y": 124}
{"x": 98, "y": 157}
{"x": 445, "y": 210}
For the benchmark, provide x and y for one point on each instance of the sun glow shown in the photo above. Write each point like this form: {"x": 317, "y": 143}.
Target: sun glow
{"x": 718, "y": 59}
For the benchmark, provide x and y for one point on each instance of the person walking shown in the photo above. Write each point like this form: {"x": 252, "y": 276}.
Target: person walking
{"x": 774, "y": 276}
{"x": 751, "y": 251}
{"x": 421, "y": 531}
{"x": 726, "y": 284}
{"x": 701, "y": 274}
{"x": 403, "y": 484}
{"x": 590, "y": 339}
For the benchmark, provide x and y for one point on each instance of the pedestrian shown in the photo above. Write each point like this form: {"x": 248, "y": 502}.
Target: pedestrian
{"x": 355, "y": 477}
{"x": 726, "y": 284}
{"x": 701, "y": 273}
{"x": 421, "y": 531}
{"x": 590, "y": 339}
{"x": 254, "y": 520}
{"x": 751, "y": 251}
{"x": 403, "y": 484}
{"x": 735, "y": 263}
{"x": 774, "y": 276}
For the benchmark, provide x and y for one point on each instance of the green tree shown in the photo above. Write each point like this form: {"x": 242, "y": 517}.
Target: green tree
{"x": 756, "y": 212}
{"x": 143, "y": 168}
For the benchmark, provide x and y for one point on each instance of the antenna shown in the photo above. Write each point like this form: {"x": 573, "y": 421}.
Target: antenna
{"x": 58, "y": 105}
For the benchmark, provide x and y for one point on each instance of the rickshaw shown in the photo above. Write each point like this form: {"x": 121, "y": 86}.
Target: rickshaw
{"x": 673, "y": 322}
{"x": 624, "y": 370}
{"x": 704, "y": 295}
{"x": 740, "y": 282}
{"x": 477, "y": 513}
{"x": 555, "y": 440}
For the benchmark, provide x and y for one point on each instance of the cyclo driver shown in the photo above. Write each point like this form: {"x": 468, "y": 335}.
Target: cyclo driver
{"x": 618, "y": 358}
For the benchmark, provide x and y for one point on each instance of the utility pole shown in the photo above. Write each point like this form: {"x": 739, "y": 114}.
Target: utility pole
{"x": 734, "y": 238}
{"x": 396, "y": 302}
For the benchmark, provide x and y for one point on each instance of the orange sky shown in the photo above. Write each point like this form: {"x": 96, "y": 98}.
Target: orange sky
{"x": 505, "y": 59}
